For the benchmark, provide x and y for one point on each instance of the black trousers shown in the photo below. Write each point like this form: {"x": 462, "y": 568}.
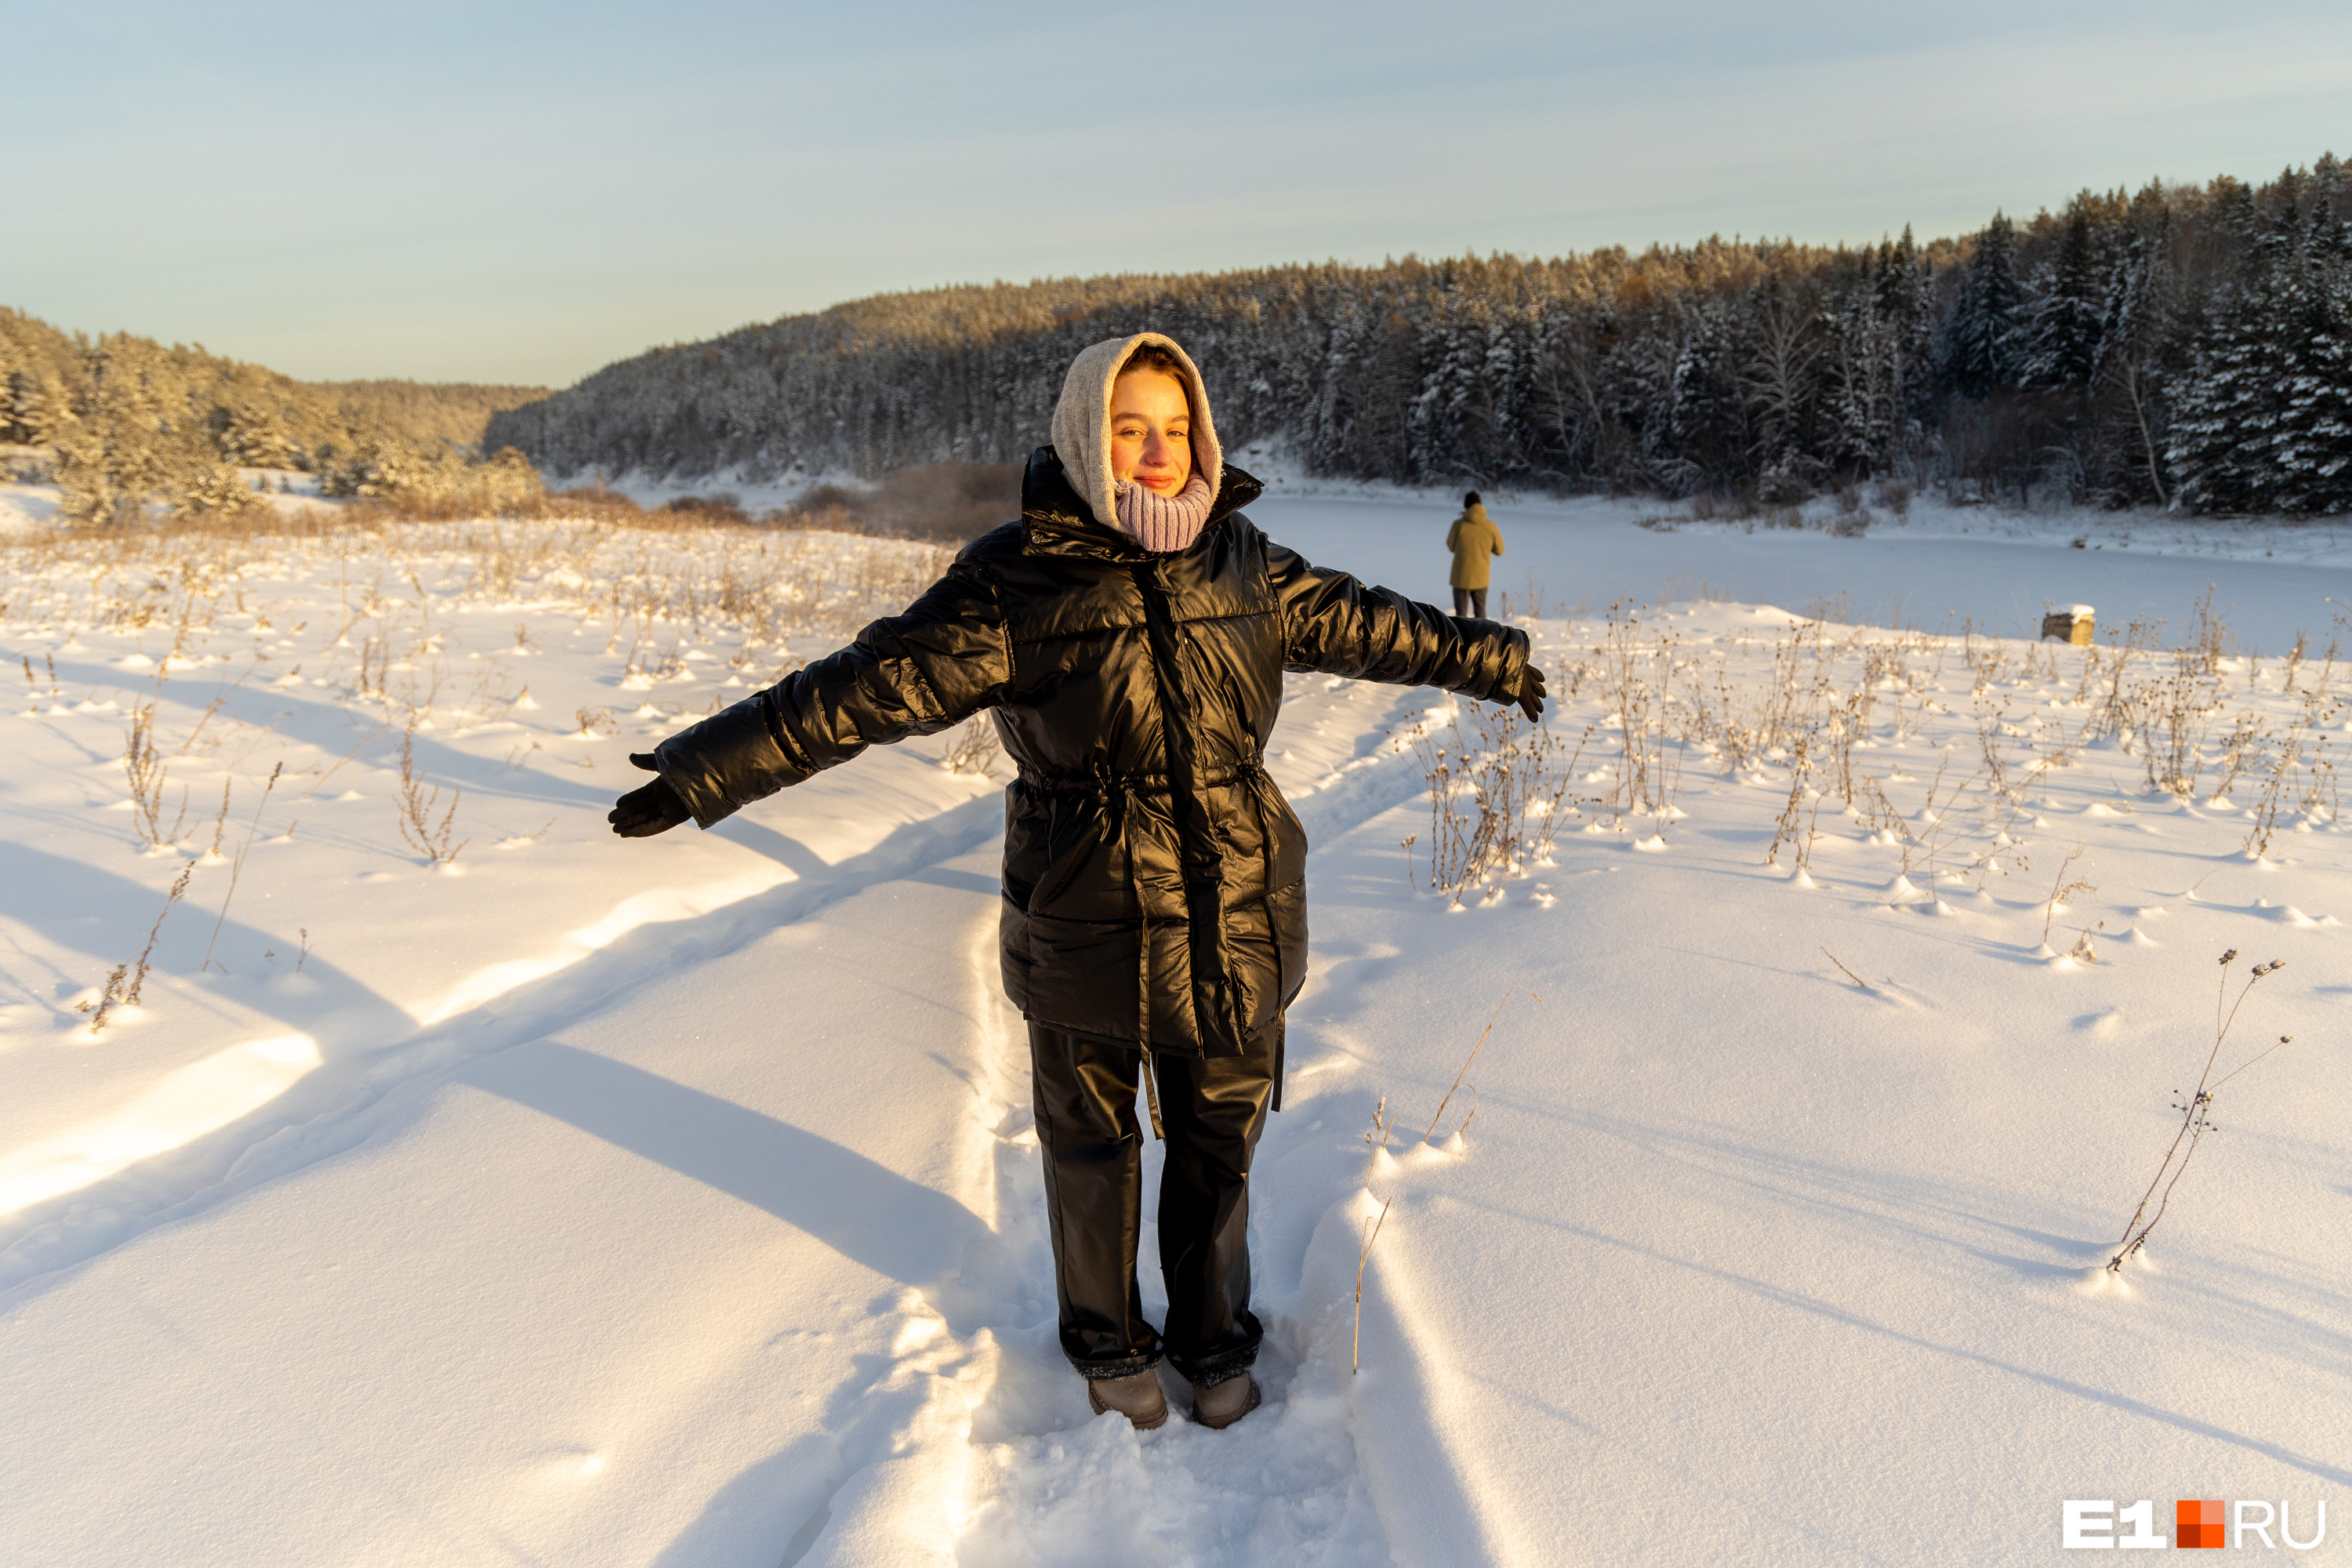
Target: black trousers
{"x": 1470, "y": 602}
{"x": 1212, "y": 1111}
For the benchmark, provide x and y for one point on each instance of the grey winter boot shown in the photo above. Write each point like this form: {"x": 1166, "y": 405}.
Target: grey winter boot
{"x": 1220, "y": 1405}
{"x": 1137, "y": 1398}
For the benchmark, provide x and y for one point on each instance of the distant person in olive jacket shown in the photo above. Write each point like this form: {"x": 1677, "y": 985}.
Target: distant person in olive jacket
{"x": 1129, "y": 635}
{"x": 1476, "y": 541}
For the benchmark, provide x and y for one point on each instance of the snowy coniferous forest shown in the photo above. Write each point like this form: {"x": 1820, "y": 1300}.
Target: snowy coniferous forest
{"x": 122, "y": 424}
{"x": 2179, "y": 345}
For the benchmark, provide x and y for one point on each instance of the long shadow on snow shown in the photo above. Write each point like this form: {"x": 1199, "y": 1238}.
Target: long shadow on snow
{"x": 1882, "y": 1203}
{"x": 480, "y": 775}
{"x": 1782, "y": 1296}
{"x": 100, "y": 913}
{"x": 867, "y": 1211}
{"x": 1699, "y": 1481}
{"x": 363, "y": 1037}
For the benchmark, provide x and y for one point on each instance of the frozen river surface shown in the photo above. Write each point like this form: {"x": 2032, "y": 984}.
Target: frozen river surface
{"x": 1588, "y": 553}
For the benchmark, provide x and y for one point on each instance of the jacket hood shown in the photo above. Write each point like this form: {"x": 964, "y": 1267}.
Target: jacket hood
{"x": 1082, "y": 420}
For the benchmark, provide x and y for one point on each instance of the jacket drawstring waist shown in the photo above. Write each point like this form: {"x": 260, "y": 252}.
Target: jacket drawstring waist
{"x": 1095, "y": 781}
{"x": 1116, "y": 792}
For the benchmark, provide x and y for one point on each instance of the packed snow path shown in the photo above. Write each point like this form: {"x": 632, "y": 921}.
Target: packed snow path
{"x": 676, "y": 1202}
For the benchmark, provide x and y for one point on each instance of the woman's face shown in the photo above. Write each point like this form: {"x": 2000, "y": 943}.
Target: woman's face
{"x": 1150, "y": 431}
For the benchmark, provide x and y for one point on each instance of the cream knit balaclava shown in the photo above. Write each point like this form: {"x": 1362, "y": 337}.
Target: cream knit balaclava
{"x": 1082, "y": 440}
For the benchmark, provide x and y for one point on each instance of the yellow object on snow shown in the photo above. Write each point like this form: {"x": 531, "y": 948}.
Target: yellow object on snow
{"x": 2072, "y": 625}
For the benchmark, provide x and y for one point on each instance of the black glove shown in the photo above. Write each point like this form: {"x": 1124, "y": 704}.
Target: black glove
{"x": 655, "y": 808}
{"x": 1530, "y": 694}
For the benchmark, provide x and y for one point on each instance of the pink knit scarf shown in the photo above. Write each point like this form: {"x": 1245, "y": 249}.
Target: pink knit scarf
{"x": 1164, "y": 524}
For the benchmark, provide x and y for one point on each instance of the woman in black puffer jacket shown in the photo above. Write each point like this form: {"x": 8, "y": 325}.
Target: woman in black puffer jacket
{"x": 1129, "y": 634}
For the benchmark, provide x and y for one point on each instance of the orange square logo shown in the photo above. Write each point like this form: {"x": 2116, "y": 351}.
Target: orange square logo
{"x": 2198, "y": 1525}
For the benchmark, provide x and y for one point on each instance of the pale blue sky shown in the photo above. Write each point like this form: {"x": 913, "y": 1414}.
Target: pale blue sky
{"x": 500, "y": 192}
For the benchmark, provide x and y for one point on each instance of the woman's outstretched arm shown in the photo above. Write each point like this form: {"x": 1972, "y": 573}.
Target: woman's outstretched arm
{"x": 946, "y": 658}
{"x": 1333, "y": 623}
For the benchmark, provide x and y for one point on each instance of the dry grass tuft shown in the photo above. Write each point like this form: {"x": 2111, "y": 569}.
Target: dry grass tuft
{"x": 418, "y": 801}
{"x": 1497, "y": 796}
{"x": 128, "y": 982}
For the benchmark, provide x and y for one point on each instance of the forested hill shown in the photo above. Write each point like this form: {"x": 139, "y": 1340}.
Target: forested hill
{"x": 128, "y": 422}
{"x": 2177, "y": 344}
{"x": 49, "y": 378}
{"x": 453, "y": 412}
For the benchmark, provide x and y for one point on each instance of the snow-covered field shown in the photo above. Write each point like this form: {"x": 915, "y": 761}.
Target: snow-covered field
{"x": 675, "y": 1202}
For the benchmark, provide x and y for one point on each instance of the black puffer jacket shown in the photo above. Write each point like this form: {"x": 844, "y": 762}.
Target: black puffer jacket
{"x": 1154, "y": 879}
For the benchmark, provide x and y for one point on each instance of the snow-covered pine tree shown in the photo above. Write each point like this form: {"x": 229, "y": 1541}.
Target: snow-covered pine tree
{"x": 2225, "y": 414}
{"x": 2265, "y": 422}
{"x": 1910, "y": 302}
{"x": 2061, "y": 342}
{"x": 212, "y": 490}
{"x": 379, "y": 467}
{"x": 31, "y": 407}
{"x": 2312, "y": 449}
{"x": 1982, "y": 338}
{"x": 254, "y": 434}
{"x": 1505, "y": 431}
{"x": 117, "y": 451}
{"x": 1454, "y": 349}
{"x": 1704, "y": 435}
{"x": 1325, "y": 440}
{"x": 1867, "y": 368}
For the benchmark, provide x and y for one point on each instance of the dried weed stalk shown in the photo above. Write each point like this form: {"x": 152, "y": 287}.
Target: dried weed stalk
{"x": 1497, "y": 796}
{"x": 1468, "y": 1062}
{"x": 1371, "y": 1232}
{"x": 418, "y": 801}
{"x": 975, "y": 748}
{"x": 1787, "y": 830}
{"x": 2061, "y": 890}
{"x": 126, "y": 983}
{"x": 144, "y": 767}
{"x": 2196, "y": 1109}
{"x": 236, "y": 867}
